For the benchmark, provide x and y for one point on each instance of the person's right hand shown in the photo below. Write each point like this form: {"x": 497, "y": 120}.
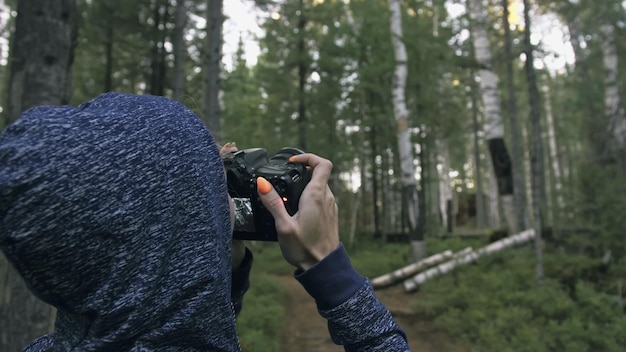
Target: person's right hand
{"x": 312, "y": 233}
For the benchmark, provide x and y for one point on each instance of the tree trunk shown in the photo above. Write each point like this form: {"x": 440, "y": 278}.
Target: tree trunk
{"x": 467, "y": 256}
{"x": 156, "y": 51}
{"x": 445, "y": 189}
{"x": 519, "y": 189}
{"x": 493, "y": 202}
{"x": 554, "y": 156}
{"x": 180, "y": 49}
{"x": 375, "y": 184}
{"x": 613, "y": 109}
{"x": 494, "y": 127}
{"x": 42, "y": 55}
{"x": 405, "y": 147}
{"x": 40, "y": 73}
{"x": 411, "y": 269}
{"x": 537, "y": 144}
{"x": 212, "y": 67}
{"x": 108, "y": 48}
{"x": 302, "y": 75}
{"x": 481, "y": 219}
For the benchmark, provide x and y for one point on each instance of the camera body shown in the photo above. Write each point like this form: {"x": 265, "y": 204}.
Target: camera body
{"x": 252, "y": 220}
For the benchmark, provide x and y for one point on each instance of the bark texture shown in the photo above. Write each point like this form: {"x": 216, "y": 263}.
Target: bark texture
{"x": 467, "y": 256}
{"x": 179, "y": 49}
{"x": 494, "y": 124}
{"x": 537, "y": 163}
{"x": 612, "y": 101}
{"x": 405, "y": 146}
{"x": 40, "y": 73}
{"x": 212, "y": 67}
{"x": 41, "y": 55}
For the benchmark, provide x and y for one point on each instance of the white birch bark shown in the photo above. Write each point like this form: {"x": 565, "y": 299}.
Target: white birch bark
{"x": 466, "y": 258}
{"x": 494, "y": 126}
{"x": 411, "y": 269}
{"x": 405, "y": 147}
{"x": 554, "y": 152}
{"x": 612, "y": 101}
{"x": 445, "y": 189}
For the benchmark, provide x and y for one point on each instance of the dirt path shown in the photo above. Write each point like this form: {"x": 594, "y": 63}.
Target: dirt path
{"x": 306, "y": 331}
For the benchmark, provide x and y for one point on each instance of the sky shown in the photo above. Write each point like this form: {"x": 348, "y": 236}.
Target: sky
{"x": 241, "y": 20}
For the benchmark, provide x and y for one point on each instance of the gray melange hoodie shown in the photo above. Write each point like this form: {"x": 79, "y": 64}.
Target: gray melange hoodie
{"x": 116, "y": 213}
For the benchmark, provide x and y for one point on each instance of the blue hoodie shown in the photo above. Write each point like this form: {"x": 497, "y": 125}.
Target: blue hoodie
{"x": 116, "y": 213}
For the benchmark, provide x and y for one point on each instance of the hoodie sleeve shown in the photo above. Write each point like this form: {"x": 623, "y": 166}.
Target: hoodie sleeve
{"x": 356, "y": 318}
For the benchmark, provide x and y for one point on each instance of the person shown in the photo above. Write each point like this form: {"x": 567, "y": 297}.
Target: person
{"x": 116, "y": 212}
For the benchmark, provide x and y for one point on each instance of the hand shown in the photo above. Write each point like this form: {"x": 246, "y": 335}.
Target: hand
{"x": 239, "y": 247}
{"x": 312, "y": 233}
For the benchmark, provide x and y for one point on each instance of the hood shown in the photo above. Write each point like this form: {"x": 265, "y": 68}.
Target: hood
{"x": 116, "y": 213}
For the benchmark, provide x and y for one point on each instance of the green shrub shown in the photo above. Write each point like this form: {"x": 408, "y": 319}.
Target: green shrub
{"x": 260, "y": 322}
{"x": 495, "y": 305}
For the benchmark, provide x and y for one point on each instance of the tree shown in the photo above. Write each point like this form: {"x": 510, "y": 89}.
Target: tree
{"x": 42, "y": 55}
{"x": 519, "y": 187}
{"x": 180, "y": 49}
{"x": 212, "y": 67}
{"x": 40, "y": 73}
{"x": 158, "y": 56}
{"x": 613, "y": 107}
{"x": 405, "y": 146}
{"x": 494, "y": 125}
{"x": 537, "y": 143}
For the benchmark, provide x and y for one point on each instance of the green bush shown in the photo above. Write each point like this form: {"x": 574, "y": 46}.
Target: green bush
{"x": 495, "y": 305}
{"x": 260, "y": 322}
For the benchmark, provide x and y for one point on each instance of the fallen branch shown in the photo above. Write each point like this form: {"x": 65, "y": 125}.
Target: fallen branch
{"x": 411, "y": 269}
{"x": 413, "y": 283}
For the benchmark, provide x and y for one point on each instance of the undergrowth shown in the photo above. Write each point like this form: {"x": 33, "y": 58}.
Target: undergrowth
{"x": 494, "y": 304}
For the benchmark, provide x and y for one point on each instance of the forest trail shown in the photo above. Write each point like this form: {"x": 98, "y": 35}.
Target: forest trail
{"x": 306, "y": 331}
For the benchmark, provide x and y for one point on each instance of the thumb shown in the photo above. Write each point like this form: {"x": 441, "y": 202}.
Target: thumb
{"x": 273, "y": 203}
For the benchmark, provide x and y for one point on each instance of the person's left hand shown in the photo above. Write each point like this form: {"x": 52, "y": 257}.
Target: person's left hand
{"x": 239, "y": 247}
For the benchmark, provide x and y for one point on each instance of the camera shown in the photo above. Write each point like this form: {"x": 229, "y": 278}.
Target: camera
{"x": 252, "y": 220}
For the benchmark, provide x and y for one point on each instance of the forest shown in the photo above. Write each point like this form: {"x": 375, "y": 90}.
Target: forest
{"x": 450, "y": 123}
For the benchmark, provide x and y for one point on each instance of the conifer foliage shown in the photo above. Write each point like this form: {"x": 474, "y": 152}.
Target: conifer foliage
{"x": 327, "y": 80}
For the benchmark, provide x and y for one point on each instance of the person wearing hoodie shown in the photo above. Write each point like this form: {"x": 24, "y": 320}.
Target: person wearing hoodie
{"x": 116, "y": 212}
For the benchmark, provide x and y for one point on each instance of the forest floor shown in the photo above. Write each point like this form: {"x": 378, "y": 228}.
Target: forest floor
{"x": 306, "y": 331}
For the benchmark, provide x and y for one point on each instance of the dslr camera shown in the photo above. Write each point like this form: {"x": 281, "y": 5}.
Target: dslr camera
{"x": 252, "y": 220}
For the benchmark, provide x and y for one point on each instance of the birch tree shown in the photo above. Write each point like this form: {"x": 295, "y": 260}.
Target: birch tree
{"x": 445, "y": 189}
{"x": 40, "y": 73}
{"x": 554, "y": 153}
{"x": 405, "y": 147}
{"x": 494, "y": 127}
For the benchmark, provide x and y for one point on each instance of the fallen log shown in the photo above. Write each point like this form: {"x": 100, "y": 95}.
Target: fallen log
{"x": 413, "y": 283}
{"x": 411, "y": 269}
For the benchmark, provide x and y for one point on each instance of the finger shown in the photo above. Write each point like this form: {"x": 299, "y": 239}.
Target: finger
{"x": 272, "y": 202}
{"x": 228, "y": 148}
{"x": 321, "y": 167}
